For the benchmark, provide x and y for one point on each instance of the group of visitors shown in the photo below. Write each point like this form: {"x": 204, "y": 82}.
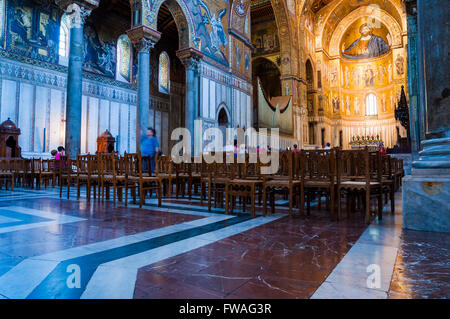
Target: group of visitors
{"x": 56, "y": 154}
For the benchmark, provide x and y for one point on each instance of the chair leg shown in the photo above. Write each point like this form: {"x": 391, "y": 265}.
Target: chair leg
{"x": 141, "y": 193}
{"x": 264, "y": 201}
{"x": 332, "y": 213}
{"x": 209, "y": 196}
{"x": 367, "y": 207}
{"x": 159, "y": 194}
{"x": 291, "y": 199}
{"x": 392, "y": 201}
{"x": 380, "y": 206}
{"x": 253, "y": 201}
{"x": 338, "y": 195}
{"x": 226, "y": 200}
{"x": 302, "y": 200}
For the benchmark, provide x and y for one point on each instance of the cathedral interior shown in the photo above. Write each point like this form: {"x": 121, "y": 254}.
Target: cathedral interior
{"x": 340, "y": 75}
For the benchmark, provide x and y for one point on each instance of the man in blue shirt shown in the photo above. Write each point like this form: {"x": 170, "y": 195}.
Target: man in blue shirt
{"x": 149, "y": 147}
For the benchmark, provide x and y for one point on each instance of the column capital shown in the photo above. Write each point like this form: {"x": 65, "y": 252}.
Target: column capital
{"x": 190, "y": 58}
{"x": 77, "y": 10}
{"x": 143, "y": 37}
{"x": 144, "y": 45}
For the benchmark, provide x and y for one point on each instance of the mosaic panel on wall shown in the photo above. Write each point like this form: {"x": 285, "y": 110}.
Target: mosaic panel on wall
{"x": 265, "y": 38}
{"x": 32, "y": 31}
{"x": 210, "y": 20}
{"x": 99, "y": 53}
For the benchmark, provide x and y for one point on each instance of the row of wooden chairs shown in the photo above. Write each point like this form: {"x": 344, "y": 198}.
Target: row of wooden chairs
{"x": 31, "y": 173}
{"x": 305, "y": 176}
{"x": 301, "y": 178}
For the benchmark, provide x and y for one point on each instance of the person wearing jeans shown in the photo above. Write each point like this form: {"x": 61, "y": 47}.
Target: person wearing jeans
{"x": 149, "y": 147}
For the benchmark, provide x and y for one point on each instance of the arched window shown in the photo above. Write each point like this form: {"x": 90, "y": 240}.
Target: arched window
{"x": 64, "y": 40}
{"x": 371, "y": 105}
{"x": 163, "y": 74}
{"x": 123, "y": 59}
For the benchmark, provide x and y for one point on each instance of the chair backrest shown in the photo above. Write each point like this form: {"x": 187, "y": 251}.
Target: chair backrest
{"x": 107, "y": 164}
{"x": 163, "y": 165}
{"x": 320, "y": 165}
{"x": 82, "y": 164}
{"x": 36, "y": 164}
{"x": 353, "y": 165}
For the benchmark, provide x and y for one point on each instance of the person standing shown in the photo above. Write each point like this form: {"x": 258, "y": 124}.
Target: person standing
{"x": 296, "y": 149}
{"x": 149, "y": 147}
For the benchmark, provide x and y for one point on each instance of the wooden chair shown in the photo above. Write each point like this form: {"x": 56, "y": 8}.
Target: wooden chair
{"x": 66, "y": 170}
{"x": 219, "y": 175}
{"x": 36, "y": 172}
{"x": 358, "y": 174}
{"x": 244, "y": 182}
{"x": 318, "y": 178}
{"x": 166, "y": 174}
{"x": 287, "y": 180}
{"x": 388, "y": 180}
{"x": 6, "y": 174}
{"x": 144, "y": 178}
{"x": 183, "y": 178}
{"x": 114, "y": 173}
{"x": 88, "y": 174}
{"x": 20, "y": 172}
{"x": 48, "y": 172}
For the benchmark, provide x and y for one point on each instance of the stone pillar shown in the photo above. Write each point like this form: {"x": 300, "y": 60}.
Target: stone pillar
{"x": 427, "y": 189}
{"x": 144, "y": 39}
{"x": 77, "y": 12}
{"x": 414, "y": 125}
{"x": 191, "y": 60}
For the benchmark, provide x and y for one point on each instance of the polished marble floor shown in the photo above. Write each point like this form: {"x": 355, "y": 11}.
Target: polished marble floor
{"x": 59, "y": 248}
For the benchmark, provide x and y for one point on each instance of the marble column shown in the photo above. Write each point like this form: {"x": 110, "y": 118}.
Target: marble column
{"x": 77, "y": 15}
{"x": 144, "y": 40}
{"x": 427, "y": 189}
{"x": 191, "y": 60}
{"x": 143, "y": 95}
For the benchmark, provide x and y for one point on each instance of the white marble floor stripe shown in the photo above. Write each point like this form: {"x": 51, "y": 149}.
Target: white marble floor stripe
{"x": 20, "y": 281}
{"x": 13, "y": 285}
{"x": 117, "y": 279}
{"x": 366, "y": 270}
{"x": 56, "y": 219}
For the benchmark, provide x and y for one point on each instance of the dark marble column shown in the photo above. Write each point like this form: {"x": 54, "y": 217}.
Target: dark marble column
{"x": 426, "y": 191}
{"x": 434, "y": 83}
{"x": 144, "y": 39}
{"x": 191, "y": 60}
{"x": 413, "y": 86}
{"x": 143, "y": 95}
{"x": 77, "y": 14}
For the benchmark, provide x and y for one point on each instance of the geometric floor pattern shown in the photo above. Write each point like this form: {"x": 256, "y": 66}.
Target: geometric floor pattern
{"x": 59, "y": 248}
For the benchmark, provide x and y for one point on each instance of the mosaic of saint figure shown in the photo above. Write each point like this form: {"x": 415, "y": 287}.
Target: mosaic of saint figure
{"x": 367, "y": 46}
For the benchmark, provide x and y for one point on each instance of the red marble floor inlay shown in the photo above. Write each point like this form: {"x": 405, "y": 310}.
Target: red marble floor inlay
{"x": 287, "y": 258}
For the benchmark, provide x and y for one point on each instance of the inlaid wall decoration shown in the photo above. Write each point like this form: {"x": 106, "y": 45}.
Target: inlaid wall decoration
{"x": 32, "y": 31}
